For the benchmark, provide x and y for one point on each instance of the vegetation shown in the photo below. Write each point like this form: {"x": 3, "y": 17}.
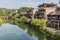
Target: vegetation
{"x": 36, "y": 13}
{"x": 23, "y": 19}
{"x": 35, "y": 22}
{"x": 1, "y": 21}
{"x": 5, "y": 12}
{"x": 38, "y": 23}
{"x": 34, "y": 26}
{"x": 23, "y": 9}
{"x": 57, "y": 36}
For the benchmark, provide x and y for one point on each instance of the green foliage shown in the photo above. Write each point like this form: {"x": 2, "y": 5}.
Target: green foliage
{"x": 40, "y": 22}
{"x": 35, "y": 22}
{"x": 23, "y": 19}
{"x": 36, "y": 13}
{"x": 1, "y": 21}
{"x": 23, "y": 9}
{"x": 43, "y": 22}
{"x": 4, "y": 12}
{"x": 57, "y": 36}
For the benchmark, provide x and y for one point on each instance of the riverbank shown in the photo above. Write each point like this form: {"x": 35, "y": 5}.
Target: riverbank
{"x": 32, "y": 30}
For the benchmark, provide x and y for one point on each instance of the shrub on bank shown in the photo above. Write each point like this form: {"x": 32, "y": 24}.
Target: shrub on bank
{"x": 38, "y": 23}
{"x": 1, "y": 21}
{"x": 57, "y": 36}
{"x": 23, "y": 19}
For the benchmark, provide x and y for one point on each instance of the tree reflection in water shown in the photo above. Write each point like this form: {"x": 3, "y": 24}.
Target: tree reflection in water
{"x": 32, "y": 31}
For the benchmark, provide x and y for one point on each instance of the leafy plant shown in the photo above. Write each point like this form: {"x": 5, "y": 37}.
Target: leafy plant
{"x": 23, "y": 19}
{"x": 1, "y": 21}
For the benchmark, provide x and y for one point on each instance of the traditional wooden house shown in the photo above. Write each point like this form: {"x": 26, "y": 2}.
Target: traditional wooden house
{"x": 51, "y": 12}
{"x": 45, "y": 8}
{"x": 54, "y": 17}
{"x": 14, "y": 12}
{"x": 29, "y": 14}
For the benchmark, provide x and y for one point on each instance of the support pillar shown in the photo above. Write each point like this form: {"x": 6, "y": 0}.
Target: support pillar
{"x": 58, "y": 24}
{"x": 54, "y": 24}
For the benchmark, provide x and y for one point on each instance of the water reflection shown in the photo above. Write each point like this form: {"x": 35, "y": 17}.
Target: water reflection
{"x": 32, "y": 31}
{"x": 13, "y": 32}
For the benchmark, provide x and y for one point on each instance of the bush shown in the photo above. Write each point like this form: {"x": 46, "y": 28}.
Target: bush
{"x": 23, "y": 19}
{"x": 35, "y": 22}
{"x": 42, "y": 22}
{"x": 57, "y": 36}
{"x": 1, "y": 21}
{"x": 38, "y": 22}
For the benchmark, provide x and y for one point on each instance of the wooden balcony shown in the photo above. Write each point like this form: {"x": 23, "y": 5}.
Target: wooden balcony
{"x": 54, "y": 18}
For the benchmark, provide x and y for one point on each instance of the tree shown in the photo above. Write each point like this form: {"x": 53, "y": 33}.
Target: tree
{"x": 23, "y": 19}
{"x": 36, "y": 13}
{"x": 42, "y": 23}
{"x": 39, "y": 23}
{"x": 35, "y": 22}
{"x": 1, "y": 21}
{"x": 22, "y": 9}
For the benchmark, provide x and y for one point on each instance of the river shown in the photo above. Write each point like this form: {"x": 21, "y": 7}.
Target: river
{"x": 14, "y": 32}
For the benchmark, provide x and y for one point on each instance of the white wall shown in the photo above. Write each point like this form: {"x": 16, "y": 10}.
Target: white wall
{"x": 48, "y": 10}
{"x": 34, "y": 11}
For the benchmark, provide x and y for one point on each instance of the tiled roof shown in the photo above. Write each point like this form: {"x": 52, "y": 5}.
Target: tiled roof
{"x": 47, "y": 5}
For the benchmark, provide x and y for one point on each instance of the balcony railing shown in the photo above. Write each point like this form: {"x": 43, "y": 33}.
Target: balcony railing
{"x": 55, "y": 18}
